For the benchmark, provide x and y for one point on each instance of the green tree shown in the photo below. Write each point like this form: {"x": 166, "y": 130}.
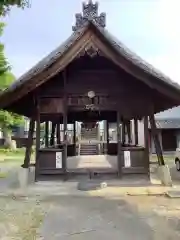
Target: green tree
{"x": 7, "y": 119}
{"x": 5, "y": 5}
{"x": 3, "y": 62}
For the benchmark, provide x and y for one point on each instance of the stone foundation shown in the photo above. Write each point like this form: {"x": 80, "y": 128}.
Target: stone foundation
{"x": 91, "y": 185}
{"x": 26, "y": 176}
{"x": 164, "y": 175}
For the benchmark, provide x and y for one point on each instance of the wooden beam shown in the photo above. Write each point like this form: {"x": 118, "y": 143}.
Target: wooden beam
{"x": 119, "y": 147}
{"x": 136, "y": 132}
{"x": 156, "y": 140}
{"x": 29, "y": 144}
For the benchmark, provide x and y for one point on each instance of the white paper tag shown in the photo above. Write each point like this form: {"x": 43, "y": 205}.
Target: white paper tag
{"x": 127, "y": 159}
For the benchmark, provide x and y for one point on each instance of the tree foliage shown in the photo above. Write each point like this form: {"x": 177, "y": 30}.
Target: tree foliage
{"x": 5, "y": 5}
{"x": 3, "y": 62}
{"x": 7, "y": 119}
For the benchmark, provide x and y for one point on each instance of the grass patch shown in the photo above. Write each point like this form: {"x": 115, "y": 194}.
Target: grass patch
{"x": 8, "y": 156}
{"x": 12, "y": 159}
{"x": 3, "y": 174}
{"x": 166, "y": 158}
{"x": 15, "y": 152}
{"x": 18, "y": 151}
{"x": 29, "y": 224}
{"x": 20, "y": 219}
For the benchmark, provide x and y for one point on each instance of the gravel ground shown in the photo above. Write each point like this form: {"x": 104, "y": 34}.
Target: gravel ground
{"x": 128, "y": 218}
{"x": 66, "y": 217}
{"x": 83, "y": 217}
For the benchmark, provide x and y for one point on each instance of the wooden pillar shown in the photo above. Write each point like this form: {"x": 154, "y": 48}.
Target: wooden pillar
{"x": 74, "y": 132}
{"x": 64, "y": 160}
{"x": 104, "y": 130}
{"x": 52, "y": 134}
{"x": 136, "y": 132}
{"x": 156, "y": 140}
{"x": 104, "y": 137}
{"x": 123, "y": 133}
{"x": 128, "y": 125}
{"x": 37, "y": 139}
{"x": 107, "y": 136}
{"x": 46, "y": 134}
{"x": 119, "y": 149}
{"x": 58, "y": 134}
{"x": 29, "y": 144}
{"x": 146, "y": 141}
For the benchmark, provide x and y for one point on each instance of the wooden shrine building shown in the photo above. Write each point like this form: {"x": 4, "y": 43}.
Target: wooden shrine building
{"x": 89, "y": 78}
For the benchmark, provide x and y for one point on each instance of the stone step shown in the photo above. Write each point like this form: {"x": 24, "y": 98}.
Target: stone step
{"x": 88, "y": 146}
{"x": 88, "y": 135}
{"x": 88, "y": 149}
{"x": 85, "y": 154}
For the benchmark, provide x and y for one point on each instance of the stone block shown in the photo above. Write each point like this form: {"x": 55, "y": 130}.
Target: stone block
{"x": 22, "y": 177}
{"x": 91, "y": 185}
{"x": 173, "y": 194}
{"x": 164, "y": 175}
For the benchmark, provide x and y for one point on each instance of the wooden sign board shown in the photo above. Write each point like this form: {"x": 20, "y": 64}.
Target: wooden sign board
{"x": 58, "y": 159}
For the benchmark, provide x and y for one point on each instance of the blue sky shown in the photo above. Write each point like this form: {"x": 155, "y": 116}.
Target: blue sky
{"x": 148, "y": 27}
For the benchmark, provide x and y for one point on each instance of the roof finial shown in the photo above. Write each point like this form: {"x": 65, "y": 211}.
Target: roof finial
{"x": 89, "y": 12}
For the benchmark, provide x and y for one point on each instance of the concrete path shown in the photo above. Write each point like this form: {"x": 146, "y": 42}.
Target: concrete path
{"x": 92, "y": 161}
{"x": 101, "y": 218}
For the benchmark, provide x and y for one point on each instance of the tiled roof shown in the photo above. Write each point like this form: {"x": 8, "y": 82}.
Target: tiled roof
{"x": 173, "y": 123}
{"x": 45, "y": 62}
{"x": 120, "y": 48}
